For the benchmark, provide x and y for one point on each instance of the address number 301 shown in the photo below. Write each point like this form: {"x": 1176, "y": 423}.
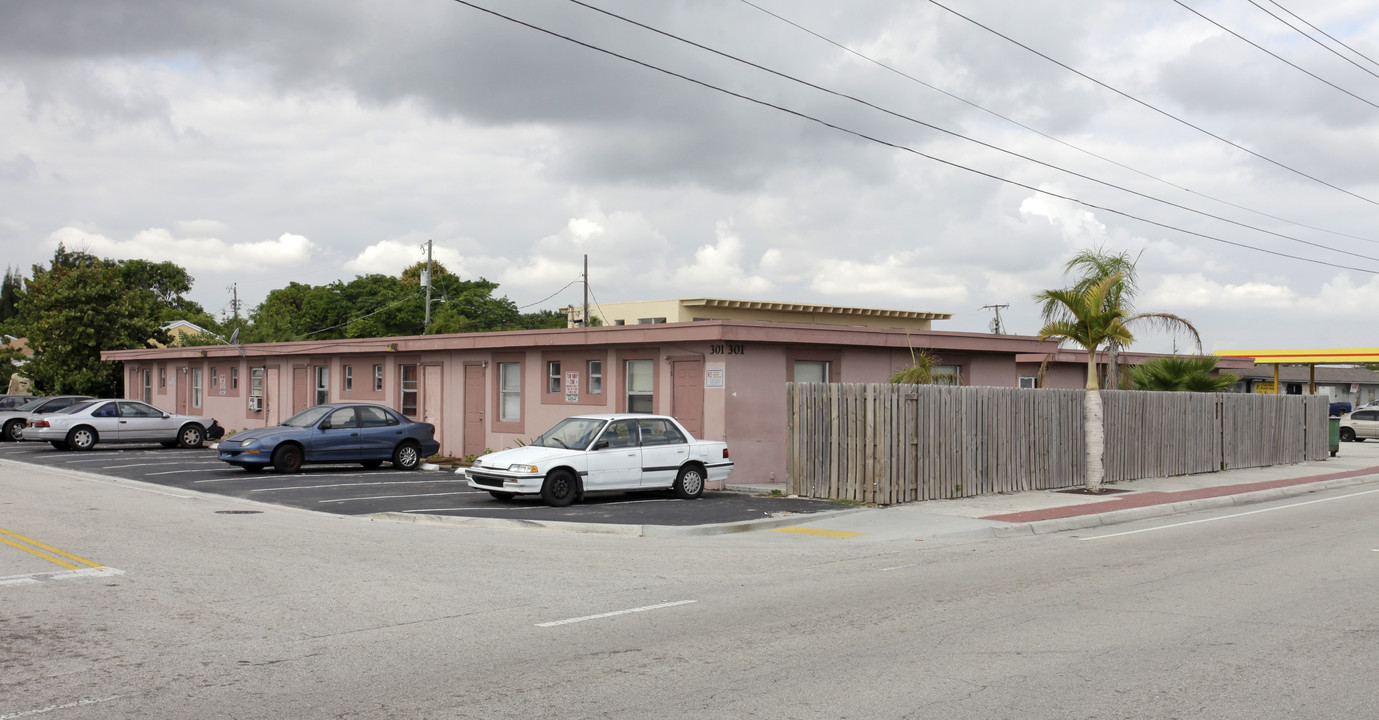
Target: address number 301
{"x": 728, "y": 349}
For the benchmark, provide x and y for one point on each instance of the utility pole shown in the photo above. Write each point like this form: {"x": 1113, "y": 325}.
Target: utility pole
{"x": 996, "y": 327}
{"x": 586, "y": 291}
{"x": 234, "y": 302}
{"x": 427, "y": 279}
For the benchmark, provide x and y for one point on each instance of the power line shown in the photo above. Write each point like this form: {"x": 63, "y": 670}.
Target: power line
{"x": 1276, "y": 56}
{"x": 1299, "y": 31}
{"x": 1314, "y": 27}
{"x": 1156, "y": 109}
{"x": 964, "y": 137}
{"x": 1044, "y": 135}
{"x": 902, "y": 148}
{"x": 548, "y": 297}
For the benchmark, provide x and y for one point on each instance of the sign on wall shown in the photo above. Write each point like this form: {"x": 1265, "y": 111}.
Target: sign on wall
{"x": 572, "y": 386}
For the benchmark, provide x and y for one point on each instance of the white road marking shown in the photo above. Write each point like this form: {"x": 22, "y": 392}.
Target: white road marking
{"x": 384, "y": 482}
{"x": 1228, "y": 517}
{"x": 897, "y": 567}
{"x": 39, "y": 577}
{"x": 615, "y": 613}
{"x": 64, "y": 706}
{"x": 389, "y": 497}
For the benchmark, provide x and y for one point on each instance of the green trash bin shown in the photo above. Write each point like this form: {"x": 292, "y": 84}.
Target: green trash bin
{"x": 1335, "y": 435}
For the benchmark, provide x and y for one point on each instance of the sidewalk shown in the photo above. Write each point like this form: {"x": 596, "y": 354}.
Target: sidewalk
{"x": 1045, "y": 511}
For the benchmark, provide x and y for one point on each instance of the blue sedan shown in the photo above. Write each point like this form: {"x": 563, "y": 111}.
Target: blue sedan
{"x": 333, "y": 433}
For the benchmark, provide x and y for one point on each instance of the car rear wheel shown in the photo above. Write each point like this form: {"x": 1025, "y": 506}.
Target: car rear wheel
{"x": 689, "y": 484}
{"x": 1347, "y": 435}
{"x": 559, "y": 489}
{"x": 407, "y": 456}
{"x": 287, "y": 459}
{"x": 81, "y": 438}
{"x": 12, "y": 429}
{"x": 191, "y": 436}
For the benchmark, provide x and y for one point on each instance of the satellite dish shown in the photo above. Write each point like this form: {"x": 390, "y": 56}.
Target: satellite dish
{"x": 234, "y": 337}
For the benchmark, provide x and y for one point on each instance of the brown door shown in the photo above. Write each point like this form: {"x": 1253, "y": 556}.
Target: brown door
{"x": 271, "y": 413}
{"x": 183, "y": 377}
{"x": 432, "y": 397}
{"x": 301, "y": 391}
{"x": 475, "y": 432}
{"x": 687, "y": 400}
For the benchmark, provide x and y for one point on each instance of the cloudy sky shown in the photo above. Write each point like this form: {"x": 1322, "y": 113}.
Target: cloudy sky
{"x": 257, "y": 142}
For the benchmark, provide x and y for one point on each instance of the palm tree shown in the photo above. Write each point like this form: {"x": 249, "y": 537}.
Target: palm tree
{"x": 1191, "y": 373}
{"x": 923, "y": 364}
{"x": 1095, "y": 266}
{"x": 1091, "y": 318}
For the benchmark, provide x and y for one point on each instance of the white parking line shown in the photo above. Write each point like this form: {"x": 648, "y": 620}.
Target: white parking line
{"x": 362, "y": 484}
{"x": 388, "y": 497}
{"x": 64, "y": 706}
{"x": 615, "y": 613}
{"x": 59, "y": 575}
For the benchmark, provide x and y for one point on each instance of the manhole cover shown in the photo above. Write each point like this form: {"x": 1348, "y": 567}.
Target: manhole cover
{"x": 238, "y": 512}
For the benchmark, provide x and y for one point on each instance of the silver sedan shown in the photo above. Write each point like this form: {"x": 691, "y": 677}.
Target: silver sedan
{"x": 120, "y": 421}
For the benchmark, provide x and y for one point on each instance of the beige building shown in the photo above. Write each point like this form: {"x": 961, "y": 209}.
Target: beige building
{"x": 654, "y": 312}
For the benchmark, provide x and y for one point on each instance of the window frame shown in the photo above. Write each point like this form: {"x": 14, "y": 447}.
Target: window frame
{"x": 322, "y": 387}
{"x": 410, "y": 394}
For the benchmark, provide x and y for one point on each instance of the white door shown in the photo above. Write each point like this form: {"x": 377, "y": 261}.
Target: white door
{"x": 616, "y": 460}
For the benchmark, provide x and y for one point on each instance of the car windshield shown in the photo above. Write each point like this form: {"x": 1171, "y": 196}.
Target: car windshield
{"x": 308, "y": 417}
{"x": 30, "y": 405}
{"x": 572, "y": 432}
{"x": 75, "y": 407}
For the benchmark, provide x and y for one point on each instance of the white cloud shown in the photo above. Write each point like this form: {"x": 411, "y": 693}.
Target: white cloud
{"x": 192, "y": 253}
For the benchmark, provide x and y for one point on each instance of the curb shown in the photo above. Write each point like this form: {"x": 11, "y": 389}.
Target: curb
{"x": 631, "y": 530}
{"x": 1116, "y": 517}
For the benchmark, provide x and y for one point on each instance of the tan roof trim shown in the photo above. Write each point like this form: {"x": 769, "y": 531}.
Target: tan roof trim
{"x": 809, "y": 308}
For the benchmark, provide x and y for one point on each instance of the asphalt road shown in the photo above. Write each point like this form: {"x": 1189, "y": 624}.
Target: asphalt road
{"x": 354, "y": 490}
{"x": 194, "y": 610}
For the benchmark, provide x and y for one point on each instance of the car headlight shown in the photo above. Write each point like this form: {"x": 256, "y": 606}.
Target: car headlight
{"x": 531, "y": 469}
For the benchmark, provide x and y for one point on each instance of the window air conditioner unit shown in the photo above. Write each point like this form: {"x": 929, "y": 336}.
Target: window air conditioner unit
{"x": 255, "y": 403}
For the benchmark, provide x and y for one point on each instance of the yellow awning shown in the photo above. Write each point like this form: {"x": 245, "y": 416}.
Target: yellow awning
{"x": 1306, "y": 357}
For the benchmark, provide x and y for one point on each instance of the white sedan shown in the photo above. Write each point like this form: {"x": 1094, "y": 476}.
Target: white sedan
{"x": 83, "y": 425}
{"x": 603, "y": 452}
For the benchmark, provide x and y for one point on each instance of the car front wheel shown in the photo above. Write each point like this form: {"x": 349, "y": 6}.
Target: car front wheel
{"x": 689, "y": 484}
{"x": 191, "y": 436}
{"x": 559, "y": 489}
{"x": 287, "y": 459}
{"x": 81, "y": 438}
{"x": 407, "y": 456}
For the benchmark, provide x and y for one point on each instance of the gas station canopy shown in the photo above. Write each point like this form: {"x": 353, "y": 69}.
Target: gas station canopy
{"x": 1306, "y": 357}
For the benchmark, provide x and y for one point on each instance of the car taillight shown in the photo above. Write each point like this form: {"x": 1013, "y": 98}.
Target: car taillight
{"x": 39, "y": 423}
{"x": 725, "y": 452}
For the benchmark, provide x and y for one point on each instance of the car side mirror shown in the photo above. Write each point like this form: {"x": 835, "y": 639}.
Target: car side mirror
{"x": 325, "y": 425}
{"x": 166, "y": 416}
{"x": 601, "y": 445}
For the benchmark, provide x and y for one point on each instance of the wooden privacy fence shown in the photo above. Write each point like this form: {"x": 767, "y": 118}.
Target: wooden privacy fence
{"x": 887, "y": 444}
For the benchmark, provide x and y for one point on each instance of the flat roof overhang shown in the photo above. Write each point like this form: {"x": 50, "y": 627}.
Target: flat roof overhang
{"x": 1306, "y": 357}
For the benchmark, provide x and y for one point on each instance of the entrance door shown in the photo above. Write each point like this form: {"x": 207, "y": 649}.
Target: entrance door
{"x": 687, "y": 399}
{"x": 432, "y": 396}
{"x": 300, "y": 390}
{"x": 474, "y": 429}
{"x": 181, "y": 377}
{"x": 272, "y": 415}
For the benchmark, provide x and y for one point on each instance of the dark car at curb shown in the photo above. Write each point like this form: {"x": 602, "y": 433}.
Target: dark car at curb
{"x": 333, "y": 433}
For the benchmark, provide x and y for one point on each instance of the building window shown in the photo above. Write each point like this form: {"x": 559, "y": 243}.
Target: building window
{"x": 234, "y": 378}
{"x": 215, "y": 378}
{"x": 509, "y": 392}
{"x": 196, "y": 387}
{"x": 650, "y": 321}
{"x": 378, "y": 378}
{"x": 148, "y": 386}
{"x": 162, "y": 377}
{"x": 322, "y": 384}
{"x": 256, "y": 382}
{"x": 408, "y": 373}
{"x": 553, "y": 377}
{"x": 595, "y": 377}
{"x": 349, "y": 377}
{"x": 619, "y": 322}
{"x": 640, "y": 383}
{"x": 811, "y": 371}
{"x": 947, "y": 374}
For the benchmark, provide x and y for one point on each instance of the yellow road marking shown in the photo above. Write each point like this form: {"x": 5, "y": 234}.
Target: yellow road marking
{"x": 818, "y": 531}
{"x": 49, "y": 548}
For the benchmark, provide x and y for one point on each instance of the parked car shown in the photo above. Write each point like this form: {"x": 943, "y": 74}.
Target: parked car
{"x": 603, "y": 452}
{"x": 82, "y": 426}
{"x": 13, "y": 421}
{"x": 334, "y": 433}
{"x": 10, "y": 402}
{"x": 1360, "y": 425}
{"x": 1339, "y": 408}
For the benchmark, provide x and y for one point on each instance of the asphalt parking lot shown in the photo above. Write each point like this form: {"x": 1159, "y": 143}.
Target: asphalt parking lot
{"x": 353, "y": 490}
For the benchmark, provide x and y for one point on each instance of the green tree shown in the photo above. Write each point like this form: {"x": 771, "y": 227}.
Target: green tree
{"x": 921, "y": 371}
{"x": 1190, "y": 373}
{"x": 82, "y": 304}
{"x": 1090, "y": 319}
{"x": 11, "y": 290}
{"x": 1094, "y": 266}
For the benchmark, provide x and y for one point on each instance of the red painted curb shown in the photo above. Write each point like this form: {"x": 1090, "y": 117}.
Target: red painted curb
{"x": 1145, "y": 499}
